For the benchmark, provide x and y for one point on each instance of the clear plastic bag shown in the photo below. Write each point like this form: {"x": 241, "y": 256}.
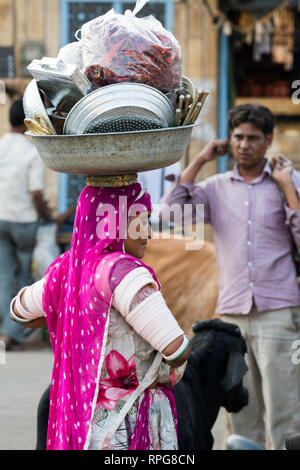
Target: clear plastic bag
{"x": 118, "y": 48}
{"x": 72, "y": 54}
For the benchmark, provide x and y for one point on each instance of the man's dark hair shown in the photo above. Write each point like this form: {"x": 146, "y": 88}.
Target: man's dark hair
{"x": 16, "y": 114}
{"x": 260, "y": 116}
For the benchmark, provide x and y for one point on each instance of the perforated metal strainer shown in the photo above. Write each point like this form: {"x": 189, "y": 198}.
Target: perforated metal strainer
{"x": 124, "y": 120}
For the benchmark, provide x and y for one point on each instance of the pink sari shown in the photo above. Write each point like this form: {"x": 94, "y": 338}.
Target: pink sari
{"x": 77, "y": 312}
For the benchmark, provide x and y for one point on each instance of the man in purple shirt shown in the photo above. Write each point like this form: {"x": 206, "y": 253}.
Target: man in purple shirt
{"x": 254, "y": 210}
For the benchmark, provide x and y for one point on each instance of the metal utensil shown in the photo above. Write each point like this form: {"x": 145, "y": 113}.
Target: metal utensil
{"x": 61, "y": 83}
{"x": 33, "y": 104}
{"x": 38, "y": 125}
{"x": 113, "y": 154}
{"x": 189, "y": 86}
{"x": 196, "y": 105}
{"x": 118, "y": 100}
{"x": 122, "y": 123}
{"x": 57, "y": 119}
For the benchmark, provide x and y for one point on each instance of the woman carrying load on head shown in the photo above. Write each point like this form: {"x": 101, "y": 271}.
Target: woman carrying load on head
{"x": 118, "y": 350}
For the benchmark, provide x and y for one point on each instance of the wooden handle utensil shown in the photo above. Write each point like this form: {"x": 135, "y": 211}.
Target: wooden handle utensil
{"x": 196, "y": 113}
{"x": 189, "y": 114}
{"x": 178, "y": 115}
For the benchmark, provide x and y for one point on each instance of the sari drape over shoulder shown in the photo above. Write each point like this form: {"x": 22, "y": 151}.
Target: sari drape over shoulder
{"x": 77, "y": 302}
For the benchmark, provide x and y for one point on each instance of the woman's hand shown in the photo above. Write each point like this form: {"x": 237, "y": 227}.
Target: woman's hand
{"x": 172, "y": 348}
{"x": 37, "y": 323}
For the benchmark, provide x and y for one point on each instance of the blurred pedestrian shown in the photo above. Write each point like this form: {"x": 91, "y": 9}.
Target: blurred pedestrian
{"x": 255, "y": 211}
{"x": 21, "y": 204}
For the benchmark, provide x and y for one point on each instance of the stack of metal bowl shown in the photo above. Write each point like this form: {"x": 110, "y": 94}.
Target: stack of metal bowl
{"x": 117, "y": 129}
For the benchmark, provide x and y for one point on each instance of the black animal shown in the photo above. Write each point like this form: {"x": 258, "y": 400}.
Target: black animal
{"x": 213, "y": 378}
{"x": 42, "y": 420}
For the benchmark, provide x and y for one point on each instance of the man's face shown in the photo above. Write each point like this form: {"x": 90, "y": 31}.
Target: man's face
{"x": 249, "y": 144}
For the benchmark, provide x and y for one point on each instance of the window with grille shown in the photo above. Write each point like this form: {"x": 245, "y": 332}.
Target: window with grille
{"x": 73, "y": 15}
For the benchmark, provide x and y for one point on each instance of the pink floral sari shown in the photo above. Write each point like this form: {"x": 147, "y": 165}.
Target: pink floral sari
{"x": 77, "y": 305}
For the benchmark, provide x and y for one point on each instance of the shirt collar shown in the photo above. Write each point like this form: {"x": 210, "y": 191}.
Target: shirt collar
{"x": 235, "y": 174}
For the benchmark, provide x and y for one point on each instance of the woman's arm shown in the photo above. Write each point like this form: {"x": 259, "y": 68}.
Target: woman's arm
{"x": 140, "y": 302}
{"x": 176, "y": 344}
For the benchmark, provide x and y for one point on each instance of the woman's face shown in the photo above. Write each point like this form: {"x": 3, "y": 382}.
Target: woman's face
{"x": 138, "y": 233}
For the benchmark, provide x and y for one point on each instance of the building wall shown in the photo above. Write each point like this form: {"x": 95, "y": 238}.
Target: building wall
{"x": 23, "y": 22}
{"x": 199, "y": 41}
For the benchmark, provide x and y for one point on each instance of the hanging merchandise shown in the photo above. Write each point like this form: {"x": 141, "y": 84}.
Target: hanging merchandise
{"x": 227, "y": 28}
{"x": 283, "y": 38}
{"x": 272, "y": 33}
{"x": 262, "y": 39}
{"x": 247, "y": 22}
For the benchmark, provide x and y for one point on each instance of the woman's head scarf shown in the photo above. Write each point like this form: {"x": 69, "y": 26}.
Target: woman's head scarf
{"x": 77, "y": 312}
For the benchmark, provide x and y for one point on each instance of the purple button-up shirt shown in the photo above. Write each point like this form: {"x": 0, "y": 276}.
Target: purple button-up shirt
{"x": 252, "y": 227}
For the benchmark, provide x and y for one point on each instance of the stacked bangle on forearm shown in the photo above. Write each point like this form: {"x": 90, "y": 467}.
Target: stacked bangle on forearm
{"x": 176, "y": 355}
{"x": 19, "y": 307}
{"x": 28, "y": 303}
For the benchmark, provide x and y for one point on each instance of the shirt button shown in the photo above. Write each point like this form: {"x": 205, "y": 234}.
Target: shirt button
{"x": 249, "y": 186}
{"x": 246, "y": 203}
{"x": 249, "y": 243}
{"x": 249, "y": 222}
{"x": 251, "y": 284}
{"x": 249, "y": 264}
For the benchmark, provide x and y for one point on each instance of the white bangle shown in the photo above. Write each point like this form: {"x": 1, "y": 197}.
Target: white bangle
{"x": 179, "y": 351}
{"x": 19, "y": 308}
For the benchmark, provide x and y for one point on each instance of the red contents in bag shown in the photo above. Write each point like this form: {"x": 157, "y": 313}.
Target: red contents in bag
{"x": 131, "y": 49}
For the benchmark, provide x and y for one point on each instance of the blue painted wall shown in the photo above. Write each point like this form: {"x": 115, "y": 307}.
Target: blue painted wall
{"x": 223, "y": 98}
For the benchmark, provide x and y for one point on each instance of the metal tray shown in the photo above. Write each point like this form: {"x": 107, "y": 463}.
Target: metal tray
{"x": 115, "y": 153}
{"x": 116, "y": 100}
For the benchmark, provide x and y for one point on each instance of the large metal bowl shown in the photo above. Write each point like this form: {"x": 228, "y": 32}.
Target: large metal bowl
{"x": 113, "y": 154}
{"x": 110, "y": 100}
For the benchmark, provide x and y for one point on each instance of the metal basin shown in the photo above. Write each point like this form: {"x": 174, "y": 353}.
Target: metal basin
{"x": 113, "y": 154}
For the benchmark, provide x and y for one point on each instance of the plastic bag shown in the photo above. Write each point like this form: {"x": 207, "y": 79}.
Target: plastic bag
{"x": 46, "y": 250}
{"x": 72, "y": 54}
{"x": 123, "y": 48}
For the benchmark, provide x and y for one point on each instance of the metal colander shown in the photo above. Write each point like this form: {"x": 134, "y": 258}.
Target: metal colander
{"x": 127, "y": 121}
